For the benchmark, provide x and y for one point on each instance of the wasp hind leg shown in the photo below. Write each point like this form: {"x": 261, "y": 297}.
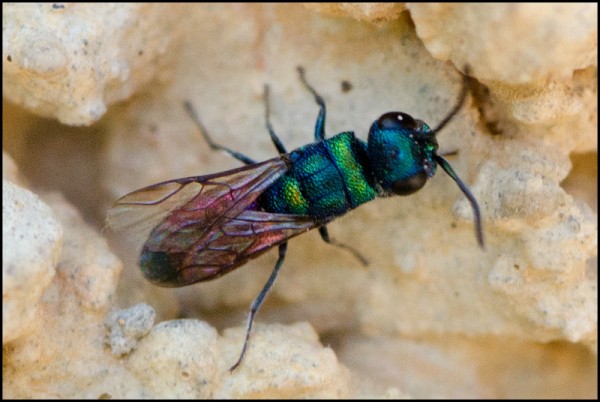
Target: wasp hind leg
{"x": 325, "y": 236}
{"x": 259, "y": 300}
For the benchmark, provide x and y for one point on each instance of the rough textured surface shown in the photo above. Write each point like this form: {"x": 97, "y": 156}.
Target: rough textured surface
{"x": 377, "y": 13}
{"x": 31, "y": 247}
{"x": 510, "y": 43}
{"x": 301, "y": 369}
{"x": 127, "y": 327}
{"x": 62, "y": 354}
{"x": 69, "y": 61}
{"x": 433, "y": 315}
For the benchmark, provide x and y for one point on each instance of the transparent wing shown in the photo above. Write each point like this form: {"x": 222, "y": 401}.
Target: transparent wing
{"x": 200, "y": 228}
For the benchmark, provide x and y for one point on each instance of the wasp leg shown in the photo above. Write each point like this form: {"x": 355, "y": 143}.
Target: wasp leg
{"x": 258, "y": 301}
{"x": 237, "y": 155}
{"x": 276, "y": 141}
{"x": 325, "y": 236}
{"x": 320, "y": 126}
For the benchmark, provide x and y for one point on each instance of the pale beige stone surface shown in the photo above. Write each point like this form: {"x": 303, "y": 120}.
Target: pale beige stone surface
{"x": 539, "y": 62}
{"x": 298, "y": 365}
{"x": 177, "y": 359}
{"x": 63, "y": 354}
{"x": 511, "y": 43}
{"x": 377, "y": 13}
{"x": 126, "y": 327}
{"x": 31, "y": 248}
{"x": 432, "y": 315}
{"x": 69, "y": 61}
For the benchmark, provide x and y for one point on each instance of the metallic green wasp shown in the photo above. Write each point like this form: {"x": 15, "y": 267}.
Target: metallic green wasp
{"x": 203, "y": 227}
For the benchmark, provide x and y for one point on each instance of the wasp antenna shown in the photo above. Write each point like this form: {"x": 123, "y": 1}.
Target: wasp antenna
{"x": 476, "y": 212}
{"x": 459, "y": 104}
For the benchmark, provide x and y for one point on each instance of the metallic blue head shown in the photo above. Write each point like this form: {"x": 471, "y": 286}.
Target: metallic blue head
{"x": 402, "y": 153}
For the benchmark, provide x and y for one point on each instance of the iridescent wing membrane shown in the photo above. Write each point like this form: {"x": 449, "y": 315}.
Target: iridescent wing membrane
{"x": 199, "y": 228}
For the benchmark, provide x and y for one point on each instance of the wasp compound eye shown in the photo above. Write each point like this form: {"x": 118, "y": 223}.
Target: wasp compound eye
{"x": 397, "y": 120}
{"x": 409, "y": 185}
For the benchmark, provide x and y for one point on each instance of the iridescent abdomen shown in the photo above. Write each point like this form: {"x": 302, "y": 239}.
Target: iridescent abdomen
{"x": 325, "y": 179}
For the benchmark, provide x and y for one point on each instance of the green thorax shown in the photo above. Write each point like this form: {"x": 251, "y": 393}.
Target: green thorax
{"x": 325, "y": 179}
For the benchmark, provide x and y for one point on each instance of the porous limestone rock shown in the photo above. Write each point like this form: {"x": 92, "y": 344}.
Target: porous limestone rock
{"x": 70, "y": 61}
{"x": 433, "y": 315}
